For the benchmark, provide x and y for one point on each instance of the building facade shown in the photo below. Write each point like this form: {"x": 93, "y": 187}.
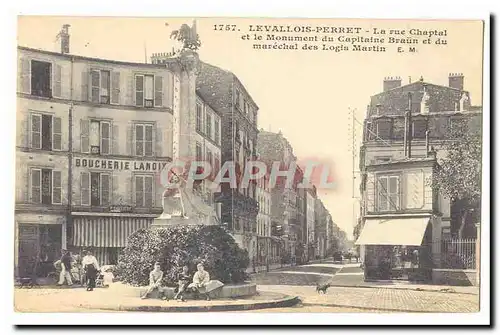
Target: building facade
{"x": 310, "y": 216}
{"x": 225, "y": 93}
{"x": 409, "y": 124}
{"x": 274, "y": 147}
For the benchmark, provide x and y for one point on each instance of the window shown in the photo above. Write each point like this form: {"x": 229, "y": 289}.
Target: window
{"x": 419, "y": 128}
{"x": 95, "y": 188}
{"x": 199, "y": 117}
{"x": 398, "y": 129}
{"x": 41, "y": 79}
{"x": 216, "y": 166}
{"x": 144, "y": 191}
{"x": 144, "y": 140}
{"x": 148, "y": 91}
{"x": 95, "y": 136}
{"x": 237, "y": 99}
{"x": 100, "y": 83}
{"x": 245, "y": 107}
{"x": 384, "y": 129}
{"x": 388, "y": 198}
{"x": 217, "y": 131}
{"x": 46, "y": 186}
{"x": 209, "y": 125}
{"x": 210, "y": 160}
{"x": 199, "y": 153}
{"x": 46, "y": 132}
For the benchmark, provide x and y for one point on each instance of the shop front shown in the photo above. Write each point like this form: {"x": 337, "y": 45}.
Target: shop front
{"x": 39, "y": 240}
{"x": 397, "y": 249}
{"x": 105, "y": 234}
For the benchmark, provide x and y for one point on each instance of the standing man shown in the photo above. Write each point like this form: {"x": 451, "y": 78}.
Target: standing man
{"x": 89, "y": 263}
{"x": 65, "y": 274}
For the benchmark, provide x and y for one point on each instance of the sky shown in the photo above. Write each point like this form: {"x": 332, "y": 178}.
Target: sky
{"x": 307, "y": 95}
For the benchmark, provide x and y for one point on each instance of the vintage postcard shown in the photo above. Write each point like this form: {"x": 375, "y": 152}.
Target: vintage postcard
{"x": 250, "y": 165}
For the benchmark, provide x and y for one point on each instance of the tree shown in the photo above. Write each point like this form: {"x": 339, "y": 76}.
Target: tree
{"x": 459, "y": 173}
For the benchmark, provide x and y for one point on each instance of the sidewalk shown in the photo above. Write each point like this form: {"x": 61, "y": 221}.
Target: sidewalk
{"x": 351, "y": 275}
{"x": 119, "y": 297}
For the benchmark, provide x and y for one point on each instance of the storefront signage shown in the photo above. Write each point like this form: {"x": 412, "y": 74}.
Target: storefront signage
{"x": 114, "y": 164}
{"x": 120, "y": 209}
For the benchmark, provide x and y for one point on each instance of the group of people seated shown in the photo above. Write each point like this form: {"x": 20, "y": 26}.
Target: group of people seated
{"x": 200, "y": 284}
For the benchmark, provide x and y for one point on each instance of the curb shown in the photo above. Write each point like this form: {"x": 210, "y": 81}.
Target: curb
{"x": 400, "y": 310}
{"x": 287, "y": 301}
{"x": 401, "y": 288}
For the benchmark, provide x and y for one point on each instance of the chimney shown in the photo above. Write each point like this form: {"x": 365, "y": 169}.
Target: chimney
{"x": 391, "y": 82}
{"x": 64, "y": 36}
{"x": 456, "y": 80}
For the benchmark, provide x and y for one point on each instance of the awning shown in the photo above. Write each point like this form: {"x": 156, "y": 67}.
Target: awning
{"x": 106, "y": 231}
{"x": 400, "y": 231}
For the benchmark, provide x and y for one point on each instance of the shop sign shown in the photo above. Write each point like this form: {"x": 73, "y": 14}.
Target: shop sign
{"x": 119, "y": 164}
{"x": 120, "y": 209}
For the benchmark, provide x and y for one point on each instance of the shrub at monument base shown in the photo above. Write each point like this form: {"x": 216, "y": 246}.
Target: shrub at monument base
{"x": 177, "y": 246}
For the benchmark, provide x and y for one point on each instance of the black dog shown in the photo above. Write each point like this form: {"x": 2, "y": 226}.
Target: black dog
{"x": 27, "y": 282}
{"x": 321, "y": 288}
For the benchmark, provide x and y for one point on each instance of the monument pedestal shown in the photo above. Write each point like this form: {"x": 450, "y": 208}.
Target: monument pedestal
{"x": 165, "y": 222}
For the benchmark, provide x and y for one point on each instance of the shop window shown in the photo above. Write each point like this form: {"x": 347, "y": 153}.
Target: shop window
{"x": 144, "y": 191}
{"x": 208, "y": 125}
{"x": 95, "y": 137}
{"x": 46, "y": 186}
{"x": 100, "y": 86}
{"x": 41, "y": 79}
{"x": 95, "y": 188}
{"x": 144, "y": 140}
{"x": 148, "y": 91}
{"x": 45, "y": 132}
{"x": 388, "y": 193}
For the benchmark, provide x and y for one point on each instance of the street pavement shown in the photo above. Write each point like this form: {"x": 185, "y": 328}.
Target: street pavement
{"x": 349, "y": 290}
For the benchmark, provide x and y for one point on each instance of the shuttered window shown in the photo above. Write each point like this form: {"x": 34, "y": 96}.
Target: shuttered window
{"x": 45, "y": 132}
{"x": 144, "y": 140}
{"x": 46, "y": 186}
{"x": 144, "y": 192}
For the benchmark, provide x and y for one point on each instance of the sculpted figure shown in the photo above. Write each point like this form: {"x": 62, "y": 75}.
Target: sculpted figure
{"x": 188, "y": 36}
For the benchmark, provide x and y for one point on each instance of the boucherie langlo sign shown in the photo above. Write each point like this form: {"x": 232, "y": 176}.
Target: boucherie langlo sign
{"x": 119, "y": 164}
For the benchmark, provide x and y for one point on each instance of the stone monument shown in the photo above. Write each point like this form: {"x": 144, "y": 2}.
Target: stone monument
{"x": 183, "y": 206}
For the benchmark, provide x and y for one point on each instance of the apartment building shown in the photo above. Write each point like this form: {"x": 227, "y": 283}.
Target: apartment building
{"x": 92, "y": 138}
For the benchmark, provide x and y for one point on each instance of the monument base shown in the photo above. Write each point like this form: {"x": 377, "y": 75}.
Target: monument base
{"x": 172, "y": 221}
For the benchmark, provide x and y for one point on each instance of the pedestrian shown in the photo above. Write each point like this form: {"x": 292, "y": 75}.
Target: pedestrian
{"x": 155, "y": 278}
{"x": 91, "y": 267}
{"x": 65, "y": 274}
{"x": 183, "y": 281}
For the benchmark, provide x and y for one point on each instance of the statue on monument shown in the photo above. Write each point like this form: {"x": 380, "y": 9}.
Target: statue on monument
{"x": 188, "y": 36}
{"x": 181, "y": 202}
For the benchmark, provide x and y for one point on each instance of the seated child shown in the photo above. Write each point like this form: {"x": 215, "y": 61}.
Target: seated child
{"x": 155, "y": 278}
{"x": 183, "y": 280}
